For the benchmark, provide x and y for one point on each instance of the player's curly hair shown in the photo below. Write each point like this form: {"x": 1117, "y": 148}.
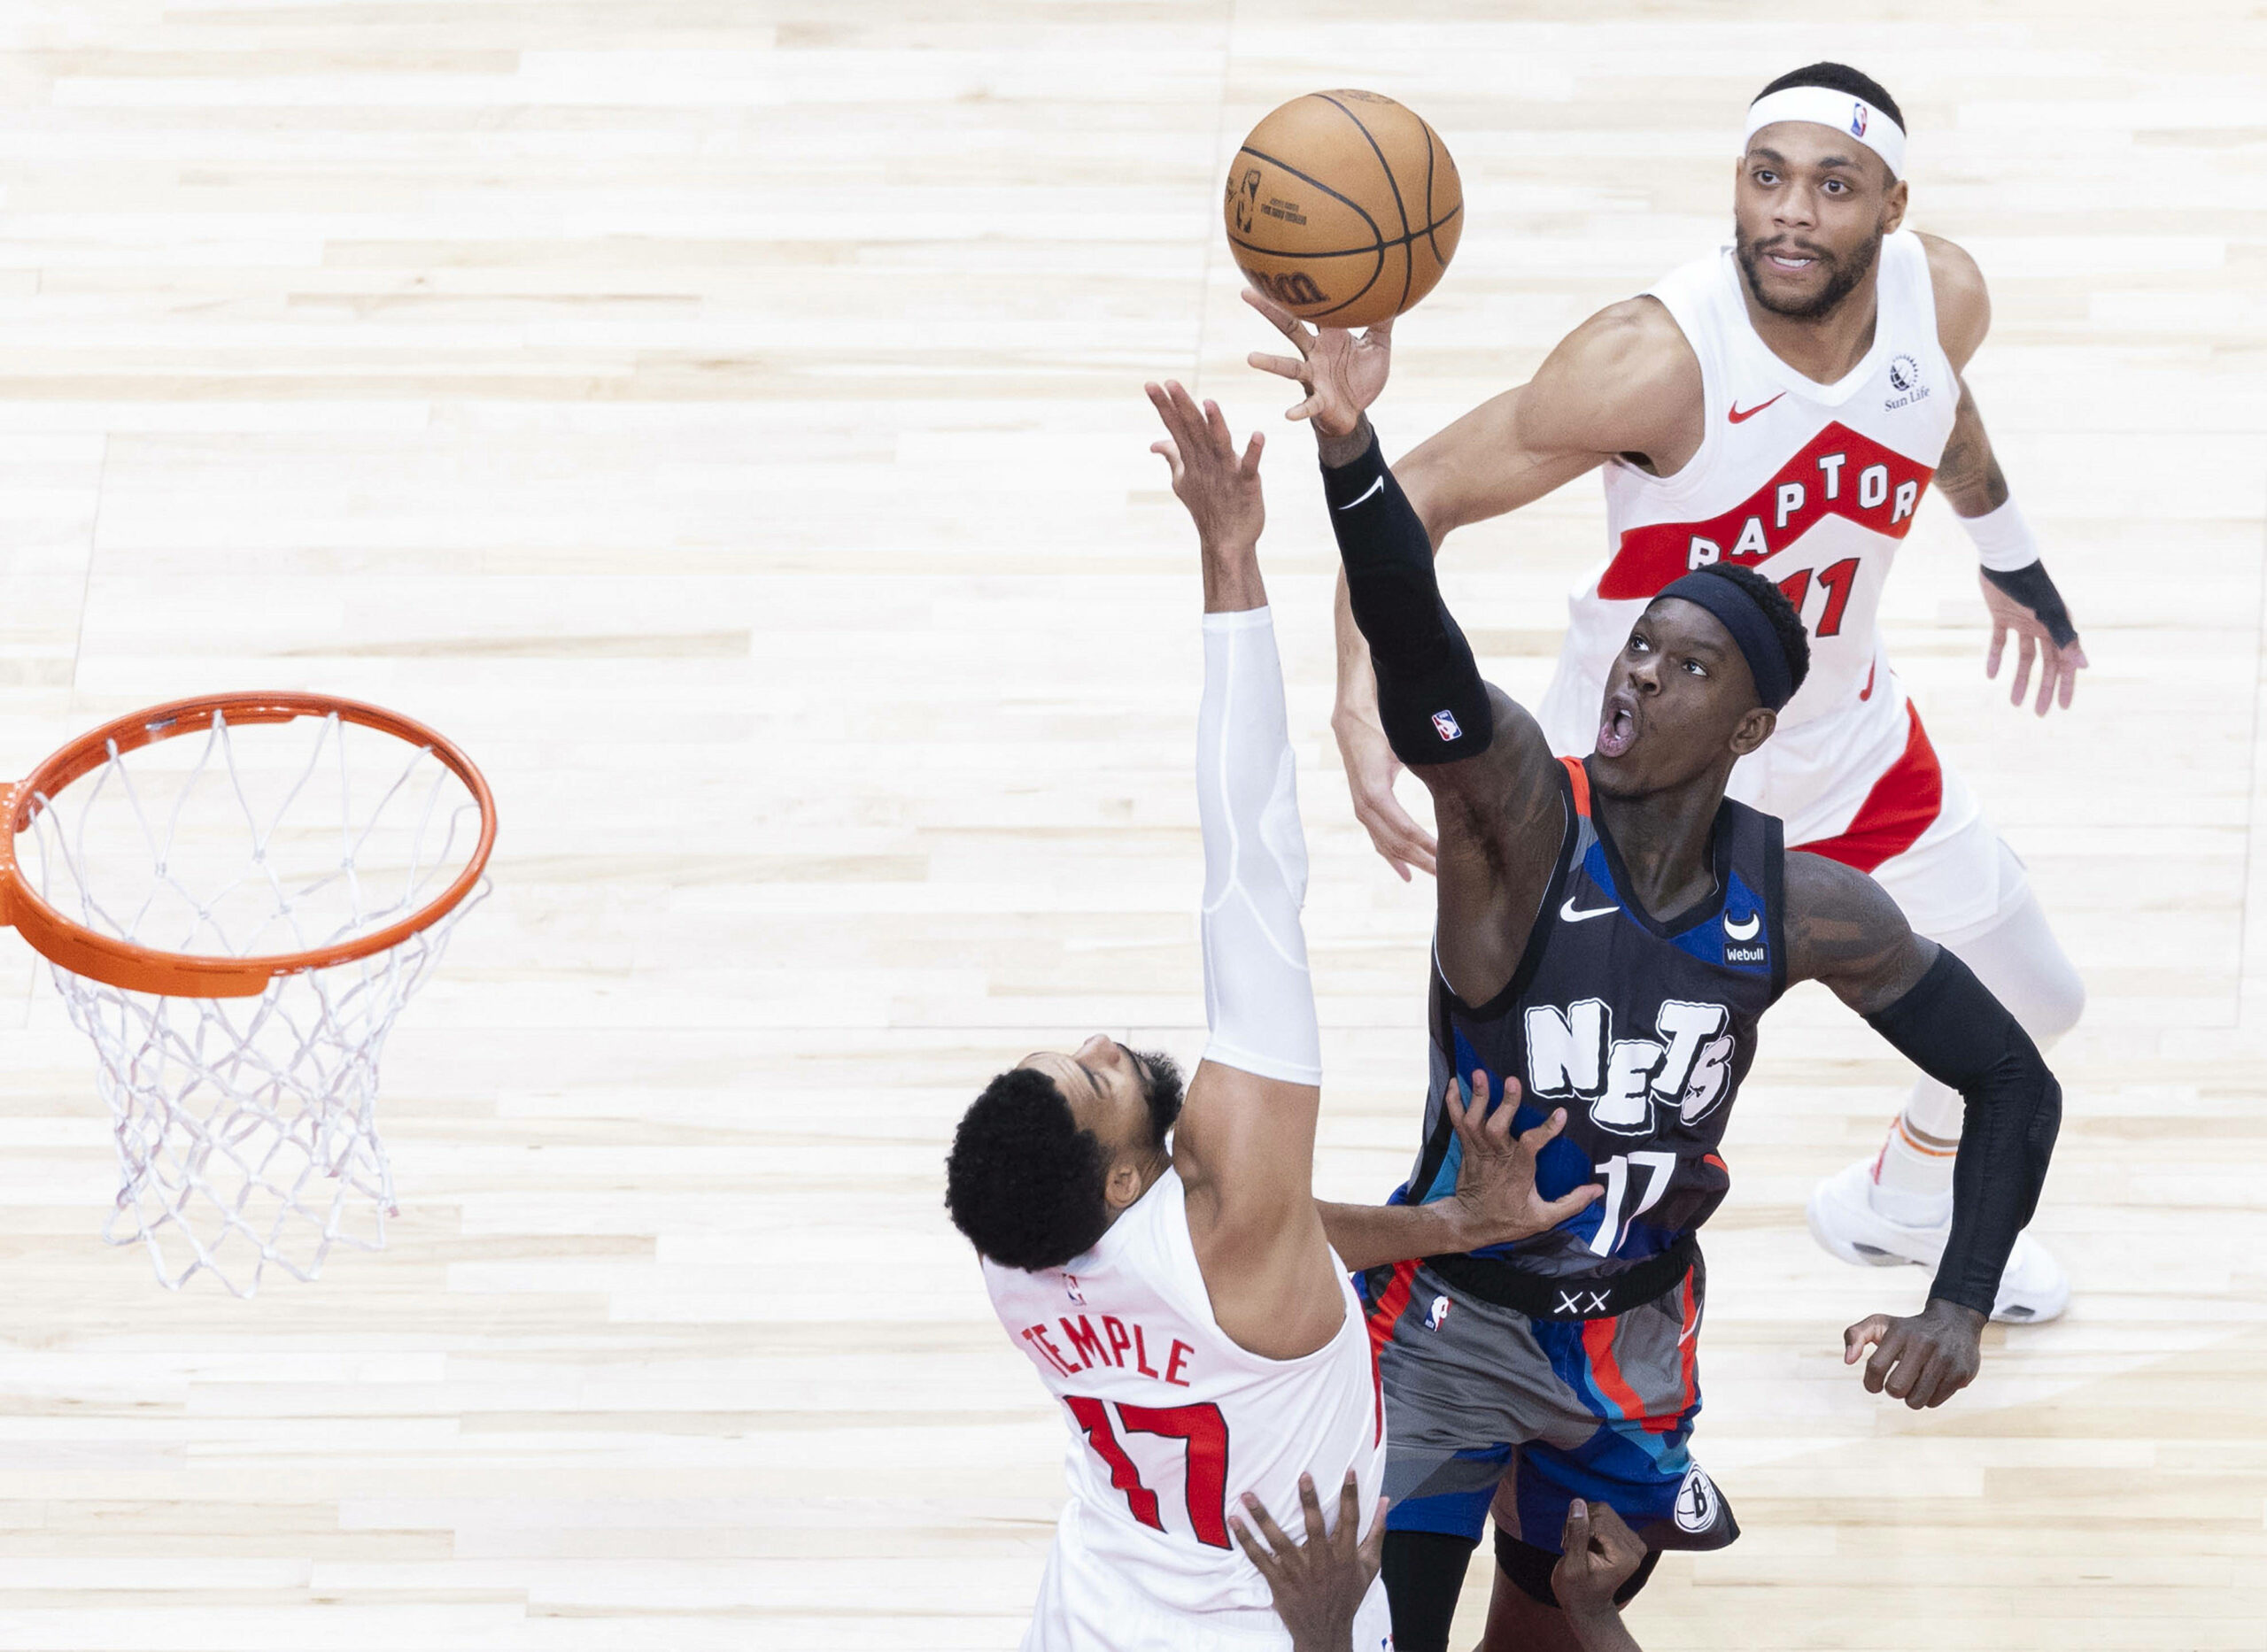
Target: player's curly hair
{"x": 1024, "y": 1182}
{"x": 1839, "y": 77}
{"x": 1793, "y": 640}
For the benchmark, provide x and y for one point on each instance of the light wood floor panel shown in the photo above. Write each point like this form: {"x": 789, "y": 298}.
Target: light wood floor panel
{"x": 724, "y": 420}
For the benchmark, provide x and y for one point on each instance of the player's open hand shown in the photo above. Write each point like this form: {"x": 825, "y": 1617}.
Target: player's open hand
{"x": 2058, "y": 668}
{"x": 1317, "y": 1585}
{"x": 1600, "y": 1553}
{"x": 1220, "y": 486}
{"x": 1923, "y": 1359}
{"x": 1370, "y": 768}
{"x": 1496, "y": 1195}
{"x": 1341, "y": 371}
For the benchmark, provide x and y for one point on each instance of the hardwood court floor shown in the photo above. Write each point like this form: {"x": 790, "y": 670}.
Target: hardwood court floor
{"x": 726, "y": 421}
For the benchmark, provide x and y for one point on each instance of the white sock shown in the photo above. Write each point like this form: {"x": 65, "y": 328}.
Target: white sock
{"x": 1913, "y": 1174}
{"x": 2018, "y": 958}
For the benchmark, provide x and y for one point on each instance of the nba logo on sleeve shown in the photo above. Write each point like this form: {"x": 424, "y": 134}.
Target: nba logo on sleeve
{"x": 1444, "y": 722}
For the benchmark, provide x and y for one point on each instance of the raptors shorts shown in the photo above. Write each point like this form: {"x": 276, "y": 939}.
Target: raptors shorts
{"x": 1486, "y": 1406}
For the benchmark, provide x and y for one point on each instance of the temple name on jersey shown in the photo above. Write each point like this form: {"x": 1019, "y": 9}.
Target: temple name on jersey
{"x": 1114, "y": 1343}
{"x": 1839, "y": 473}
{"x": 1574, "y": 1052}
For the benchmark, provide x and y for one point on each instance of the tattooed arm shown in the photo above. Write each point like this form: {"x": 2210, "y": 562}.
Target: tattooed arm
{"x": 1843, "y": 930}
{"x": 1969, "y": 474}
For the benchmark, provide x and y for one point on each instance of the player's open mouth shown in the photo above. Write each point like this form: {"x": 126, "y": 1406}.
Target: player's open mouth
{"x": 1617, "y": 733}
{"x": 1790, "y": 260}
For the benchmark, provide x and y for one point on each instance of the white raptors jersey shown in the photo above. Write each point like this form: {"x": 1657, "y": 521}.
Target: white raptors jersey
{"x": 1170, "y": 1423}
{"x": 1814, "y": 485}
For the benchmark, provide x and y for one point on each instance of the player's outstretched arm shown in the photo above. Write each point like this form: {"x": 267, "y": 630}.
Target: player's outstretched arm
{"x": 1244, "y": 1145}
{"x": 1496, "y": 1201}
{"x": 1845, "y": 930}
{"x": 1624, "y": 382}
{"x": 1497, "y": 792}
{"x": 2018, "y": 593}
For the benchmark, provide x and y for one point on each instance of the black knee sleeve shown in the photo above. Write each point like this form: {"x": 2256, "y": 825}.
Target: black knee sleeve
{"x": 1531, "y": 1568}
{"x": 1431, "y": 699}
{"x": 1424, "y": 1573}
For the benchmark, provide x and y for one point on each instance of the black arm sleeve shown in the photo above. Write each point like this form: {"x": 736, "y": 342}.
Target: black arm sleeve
{"x": 1952, "y": 1028}
{"x": 2030, "y": 586}
{"x": 1430, "y": 695}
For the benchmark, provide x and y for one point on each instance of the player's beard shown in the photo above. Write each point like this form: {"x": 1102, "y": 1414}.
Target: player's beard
{"x": 1161, "y": 1088}
{"x": 1842, "y": 275}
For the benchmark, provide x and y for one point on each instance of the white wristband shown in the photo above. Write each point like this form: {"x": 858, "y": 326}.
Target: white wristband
{"x": 2004, "y": 541}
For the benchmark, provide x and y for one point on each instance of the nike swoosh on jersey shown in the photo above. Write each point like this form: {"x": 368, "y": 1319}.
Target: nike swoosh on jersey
{"x": 1743, "y": 931}
{"x": 1569, "y": 914}
{"x": 1379, "y": 487}
{"x": 1738, "y": 417}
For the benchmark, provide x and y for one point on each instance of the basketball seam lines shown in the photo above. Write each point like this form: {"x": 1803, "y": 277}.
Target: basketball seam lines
{"x": 1433, "y": 239}
{"x": 1344, "y": 252}
{"x": 1408, "y": 265}
{"x": 1378, "y": 248}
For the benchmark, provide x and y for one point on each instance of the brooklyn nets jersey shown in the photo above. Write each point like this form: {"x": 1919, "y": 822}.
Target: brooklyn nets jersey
{"x": 1640, "y": 1027}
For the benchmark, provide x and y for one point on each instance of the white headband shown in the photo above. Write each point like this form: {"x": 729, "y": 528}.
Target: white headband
{"x": 1822, "y": 105}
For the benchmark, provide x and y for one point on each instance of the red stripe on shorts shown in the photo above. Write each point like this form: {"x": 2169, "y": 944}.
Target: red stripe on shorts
{"x": 1383, "y": 1313}
{"x": 1605, "y": 1370}
{"x": 1688, "y": 1347}
{"x": 1904, "y": 803}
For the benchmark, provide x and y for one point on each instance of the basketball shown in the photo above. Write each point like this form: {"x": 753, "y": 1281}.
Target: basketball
{"x": 1344, "y": 207}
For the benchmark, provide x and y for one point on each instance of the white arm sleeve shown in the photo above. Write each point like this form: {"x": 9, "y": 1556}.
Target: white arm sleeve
{"x": 1259, "y": 1000}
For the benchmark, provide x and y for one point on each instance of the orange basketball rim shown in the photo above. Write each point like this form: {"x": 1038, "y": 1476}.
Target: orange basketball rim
{"x": 134, "y": 968}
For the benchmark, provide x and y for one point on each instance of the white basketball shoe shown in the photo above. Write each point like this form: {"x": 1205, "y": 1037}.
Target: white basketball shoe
{"x": 1842, "y": 1219}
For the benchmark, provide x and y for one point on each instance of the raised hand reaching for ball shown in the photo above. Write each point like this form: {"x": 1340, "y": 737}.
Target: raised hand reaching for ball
{"x": 1341, "y": 371}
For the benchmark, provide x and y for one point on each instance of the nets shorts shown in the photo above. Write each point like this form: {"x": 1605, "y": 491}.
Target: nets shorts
{"x": 1487, "y": 1406}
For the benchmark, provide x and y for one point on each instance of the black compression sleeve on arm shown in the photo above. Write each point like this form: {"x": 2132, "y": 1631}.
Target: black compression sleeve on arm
{"x": 1952, "y": 1028}
{"x": 2030, "y": 586}
{"x": 1431, "y": 697}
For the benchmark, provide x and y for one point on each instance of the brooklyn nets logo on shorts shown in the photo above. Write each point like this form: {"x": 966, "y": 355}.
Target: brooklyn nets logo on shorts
{"x": 1697, "y": 1502}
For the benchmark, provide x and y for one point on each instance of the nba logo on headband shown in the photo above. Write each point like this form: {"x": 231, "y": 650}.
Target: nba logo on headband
{"x": 1827, "y": 106}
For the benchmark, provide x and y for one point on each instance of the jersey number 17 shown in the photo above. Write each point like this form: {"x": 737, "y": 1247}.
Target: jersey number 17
{"x": 1205, "y": 1432}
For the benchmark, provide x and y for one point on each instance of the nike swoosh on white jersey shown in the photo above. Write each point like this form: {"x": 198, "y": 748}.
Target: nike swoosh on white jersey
{"x": 1571, "y": 915}
{"x": 1742, "y": 932}
{"x": 1375, "y": 487}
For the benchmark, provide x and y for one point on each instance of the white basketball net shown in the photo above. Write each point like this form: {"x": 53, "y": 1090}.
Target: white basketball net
{"x": 246, "y": 1128}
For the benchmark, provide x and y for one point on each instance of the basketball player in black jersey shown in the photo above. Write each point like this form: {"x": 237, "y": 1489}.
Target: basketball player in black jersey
{"x": 1609, "y": 932}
